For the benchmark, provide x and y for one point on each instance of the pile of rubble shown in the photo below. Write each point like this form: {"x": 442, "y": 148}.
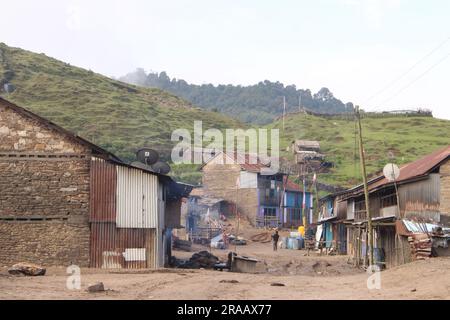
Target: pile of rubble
{"x": 202, "y": 259}
{"x": 26, "y": 269}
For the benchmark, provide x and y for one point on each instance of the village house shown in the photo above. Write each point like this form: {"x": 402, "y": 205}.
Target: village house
{"x": 64, "y": 200}
{"x": 262, "y": 199}
{"x": 403, "y": 220}
{"x": 331, "y": 227}
{"x": 306, "y": 151}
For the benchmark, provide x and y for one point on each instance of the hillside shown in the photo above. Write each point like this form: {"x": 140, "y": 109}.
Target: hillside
{"x": 258, "y": 104}
{"x": 117, "y": 116}
{"x": 408, "y": 138}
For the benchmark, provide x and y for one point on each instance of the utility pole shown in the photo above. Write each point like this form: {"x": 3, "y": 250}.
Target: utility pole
{"x": 366, "y": 188}
{"x": 300, "y": 103}
{"x": 284, "y": 109}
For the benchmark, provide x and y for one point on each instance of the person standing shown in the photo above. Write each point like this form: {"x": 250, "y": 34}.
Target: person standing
{"x": 275, "y": 238}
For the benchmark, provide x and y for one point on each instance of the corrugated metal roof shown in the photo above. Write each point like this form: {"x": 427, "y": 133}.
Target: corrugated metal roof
{"x": 307, "y": 144}
{"x": 291, "y": 185}
{"x": 248, "y": 162}
{"x": 417, "y": 168}
{"x": 411, "y": 171}
{"x": 415, "y": 227}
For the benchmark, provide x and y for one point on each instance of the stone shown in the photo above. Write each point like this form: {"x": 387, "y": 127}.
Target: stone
{"x": 229, "y": 281}
{"x": 27, "y": 269}
{"x": 96, "y": 287}
{"x": 277, "y": 284}
{"x": 4, "y": 130}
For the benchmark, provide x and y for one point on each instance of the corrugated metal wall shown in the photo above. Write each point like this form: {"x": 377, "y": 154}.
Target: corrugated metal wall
{"x": 420, "y": 196}
{"x": 127, "y": 217}
{"x": 103, "y": 191}
{"x": 137, "y": 194}
{"x": 129, "y": 248}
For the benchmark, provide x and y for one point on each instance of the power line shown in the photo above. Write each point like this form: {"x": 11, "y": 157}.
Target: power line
{"x": 416, "y": 79}
{"x": 407, "y": 71}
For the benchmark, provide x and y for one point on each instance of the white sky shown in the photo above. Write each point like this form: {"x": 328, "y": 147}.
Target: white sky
{"x": 353, "y": 47}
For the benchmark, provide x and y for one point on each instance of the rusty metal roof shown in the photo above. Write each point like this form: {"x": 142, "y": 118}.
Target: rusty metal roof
{"x": 416, "y": 169}
{"x": 307, "y": 143}
{"x": 248, "y": 162}
{"x": 409, "y": 172}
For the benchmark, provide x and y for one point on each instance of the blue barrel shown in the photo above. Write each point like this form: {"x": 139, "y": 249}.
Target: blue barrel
{"x": 290, "y": 243}
{"x": 295, "y": 244}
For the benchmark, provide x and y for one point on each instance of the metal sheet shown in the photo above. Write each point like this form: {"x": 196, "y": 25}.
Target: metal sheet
{"x": 137, "y": 194}
{"x": 113, "y": 248}
{"x": 103, "y": 191}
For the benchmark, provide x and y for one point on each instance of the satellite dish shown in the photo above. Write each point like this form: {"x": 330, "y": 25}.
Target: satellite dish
{"x": 391, "y": 171}
{"x": 147, "y": 156}
{"x": 141, "y": 165}
{"x": 161, "y": 167}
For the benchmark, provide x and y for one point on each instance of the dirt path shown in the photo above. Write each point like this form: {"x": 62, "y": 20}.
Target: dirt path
{"x": 332, "y": 279}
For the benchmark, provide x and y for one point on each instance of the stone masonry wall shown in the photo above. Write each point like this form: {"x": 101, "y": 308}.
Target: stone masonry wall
{"x": 19, "y": 133}
{"x": 219, "y": 180}
{"x": 44, "y": 242}
{"x": 44, "y": 193}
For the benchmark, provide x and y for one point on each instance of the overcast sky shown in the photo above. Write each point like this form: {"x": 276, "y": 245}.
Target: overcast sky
{"x": 356, "y": 48}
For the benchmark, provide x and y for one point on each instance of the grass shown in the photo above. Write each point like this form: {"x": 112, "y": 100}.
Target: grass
{"x": 407, "y": 138}
{"x": 112, "y": 114}
{"x": 123, "y": 118}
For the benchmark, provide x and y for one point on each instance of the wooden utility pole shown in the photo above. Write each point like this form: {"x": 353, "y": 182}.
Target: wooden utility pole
{"x": 284, "y": 109}
{"x": 366, "y": 188}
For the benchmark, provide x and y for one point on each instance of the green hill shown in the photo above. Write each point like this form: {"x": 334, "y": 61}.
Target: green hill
{"x": 257, "y": 104}
{"x": 408, "y": 138}
{"x": 122, "y": 117}
{"x": 117, "y": 116}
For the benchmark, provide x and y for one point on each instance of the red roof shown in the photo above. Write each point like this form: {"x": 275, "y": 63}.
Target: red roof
{"x": 291, "y": 185}
{"x": 410, "y": 171}
{"x": 418, "y": 168}
{"x": 248, "y": 162}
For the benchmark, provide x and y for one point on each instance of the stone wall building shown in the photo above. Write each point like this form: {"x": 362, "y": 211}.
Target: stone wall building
{"x": 51, "y": 207}
{"x": 237, "y": 178}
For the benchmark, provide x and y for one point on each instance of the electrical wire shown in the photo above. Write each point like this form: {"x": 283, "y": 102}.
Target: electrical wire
{"x": 407, "y": 71}
{"x": 416, "y": 79}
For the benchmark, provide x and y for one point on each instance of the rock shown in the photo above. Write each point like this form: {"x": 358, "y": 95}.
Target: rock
{"x": 413, "y": 290}
{"x": 229, "y": 281}
{"x": 97, "y": 287}
{"x": 277, "y": 284}
{"x": 27, "y": 269}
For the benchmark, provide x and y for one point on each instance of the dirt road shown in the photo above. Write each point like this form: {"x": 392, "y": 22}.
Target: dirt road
{"x": 313, "y": 277}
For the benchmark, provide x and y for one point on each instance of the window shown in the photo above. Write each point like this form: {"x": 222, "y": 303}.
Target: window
{"x": 389, "y": 201}
{"x": 294, "y": 214}
{"x": 270, "y": 212}
{"x": 360, "y": 206}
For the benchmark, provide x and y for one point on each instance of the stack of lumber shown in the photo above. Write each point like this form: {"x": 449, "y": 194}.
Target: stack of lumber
{"x": 420, "y": 246}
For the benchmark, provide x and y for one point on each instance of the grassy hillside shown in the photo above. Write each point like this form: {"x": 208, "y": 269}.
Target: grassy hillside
{"x": 122, "y": 118}
{"x": 117, "y": 116}
{"x": 407, "y": 138}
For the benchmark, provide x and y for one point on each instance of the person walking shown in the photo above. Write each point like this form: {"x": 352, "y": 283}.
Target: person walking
{"x": 275, "y": 238}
